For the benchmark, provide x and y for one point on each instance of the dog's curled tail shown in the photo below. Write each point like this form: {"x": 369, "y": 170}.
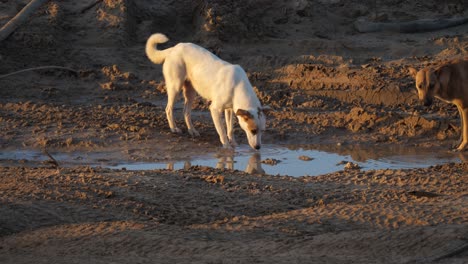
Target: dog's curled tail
{"x": 155, "y": 55}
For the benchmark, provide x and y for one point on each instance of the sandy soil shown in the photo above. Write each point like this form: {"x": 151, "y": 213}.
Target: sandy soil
{"x": 327, "y": 84}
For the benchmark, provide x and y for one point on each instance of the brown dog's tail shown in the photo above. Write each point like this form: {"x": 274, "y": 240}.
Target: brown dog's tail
{"x": 155, "y": 55}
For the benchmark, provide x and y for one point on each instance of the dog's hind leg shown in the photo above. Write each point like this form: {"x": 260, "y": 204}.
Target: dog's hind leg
{"x": 464, "y": 121}
{"x": 189, "y": 96}
{"x": 228, "y": 115}
{"x": 173, "y": 91}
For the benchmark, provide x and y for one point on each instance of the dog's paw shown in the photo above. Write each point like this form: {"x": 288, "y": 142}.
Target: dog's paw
{"x": 233, "y": 142}
{"x": 227, "y": 146}
{"x": 193, "y": 132}
{"x": 176, "y": 130}
{"x": 460, "y": 148}
{"x": 456, "y": 149}
{"x": 457, "y": 144}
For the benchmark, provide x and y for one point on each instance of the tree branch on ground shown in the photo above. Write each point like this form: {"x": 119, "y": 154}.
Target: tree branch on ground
{"x": 40, "y": 68}
{"x": 20, "y": 18}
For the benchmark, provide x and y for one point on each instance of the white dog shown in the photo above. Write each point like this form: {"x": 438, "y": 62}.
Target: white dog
{"x": 191, "y": 68}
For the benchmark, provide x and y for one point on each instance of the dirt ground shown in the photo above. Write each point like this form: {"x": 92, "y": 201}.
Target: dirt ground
{"x": 328, "y": 84}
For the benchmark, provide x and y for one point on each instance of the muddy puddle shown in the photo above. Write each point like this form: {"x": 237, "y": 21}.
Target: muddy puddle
{"x": 292, "y": 160}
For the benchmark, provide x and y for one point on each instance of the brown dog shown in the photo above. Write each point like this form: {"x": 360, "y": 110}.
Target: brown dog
{"x": 449, "y": 83}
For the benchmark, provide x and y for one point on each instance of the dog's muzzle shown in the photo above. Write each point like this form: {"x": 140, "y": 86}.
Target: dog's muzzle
{"x": 427, "y": 101}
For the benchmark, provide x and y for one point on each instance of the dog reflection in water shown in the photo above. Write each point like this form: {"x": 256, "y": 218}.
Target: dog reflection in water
{"x": 170, "y": 165}
{"x": 254, "y": 165}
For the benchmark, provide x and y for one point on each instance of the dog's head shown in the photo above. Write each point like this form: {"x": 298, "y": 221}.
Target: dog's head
{"x": 426, "y": 83}
{"x": 253, "y": 123}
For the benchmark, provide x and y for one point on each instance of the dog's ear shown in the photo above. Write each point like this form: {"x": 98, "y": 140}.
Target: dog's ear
{"x": 412, "y": 71}
{"x": 244, "y": 114}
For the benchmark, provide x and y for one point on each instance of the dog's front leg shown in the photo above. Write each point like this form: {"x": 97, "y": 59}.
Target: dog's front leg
{"x": 464, "y": 121}
{"x": 216, "y": 114}
{"x": 228, "y": 115}
{"x": 460, "y": 140}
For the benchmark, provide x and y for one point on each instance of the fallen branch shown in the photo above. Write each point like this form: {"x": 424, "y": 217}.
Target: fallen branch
{"x": 20, "y": 18}
{"x": 416, "y": 26}
{"x": 455, "y": 252}
{"x": 93, "y": 4}
{"x": 40, "y": 68}
{"x": 51, "y": 160}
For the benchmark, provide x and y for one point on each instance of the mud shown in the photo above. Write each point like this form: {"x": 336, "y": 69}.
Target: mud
{"x": 285, "y": 160}
{"x": 329, "y": 86}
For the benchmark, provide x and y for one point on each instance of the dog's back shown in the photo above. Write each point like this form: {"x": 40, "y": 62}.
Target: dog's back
{"x": 196, "y": 56}
{"x": 453, "y": 76}
{"x": 210, "y": 76}
{"x": 202, "y": 68}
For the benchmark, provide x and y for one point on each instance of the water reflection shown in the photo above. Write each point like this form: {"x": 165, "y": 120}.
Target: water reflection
{"x": 323, "y": 159}
{"x": 255, "y": 164}
{"x": 170, "y": 165}
{"x": 227, "y": 161}
{"x": 394, "y": 153}
{"x": 463, "y": 156}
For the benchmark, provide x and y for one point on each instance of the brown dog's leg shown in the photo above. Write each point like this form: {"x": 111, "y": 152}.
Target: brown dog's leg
{"x": 460, "y": 140}
{"x": 464, "y": 117}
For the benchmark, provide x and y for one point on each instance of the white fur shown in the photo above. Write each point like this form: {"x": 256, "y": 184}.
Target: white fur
{"x": 156, "y": 57}
{"x": 189, "y": 68}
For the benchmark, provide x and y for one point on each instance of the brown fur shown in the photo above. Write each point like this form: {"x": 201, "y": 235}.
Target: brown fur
{"x": 448, "y": 82}
{"x": 248, "y": 118}
{"x": 252, "y": 126}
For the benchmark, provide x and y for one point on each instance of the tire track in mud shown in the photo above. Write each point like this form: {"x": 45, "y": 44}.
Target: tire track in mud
{"x": 17, "y": 216}
{"x": 131, "y": 242}
{"x": 235, "y": 216}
